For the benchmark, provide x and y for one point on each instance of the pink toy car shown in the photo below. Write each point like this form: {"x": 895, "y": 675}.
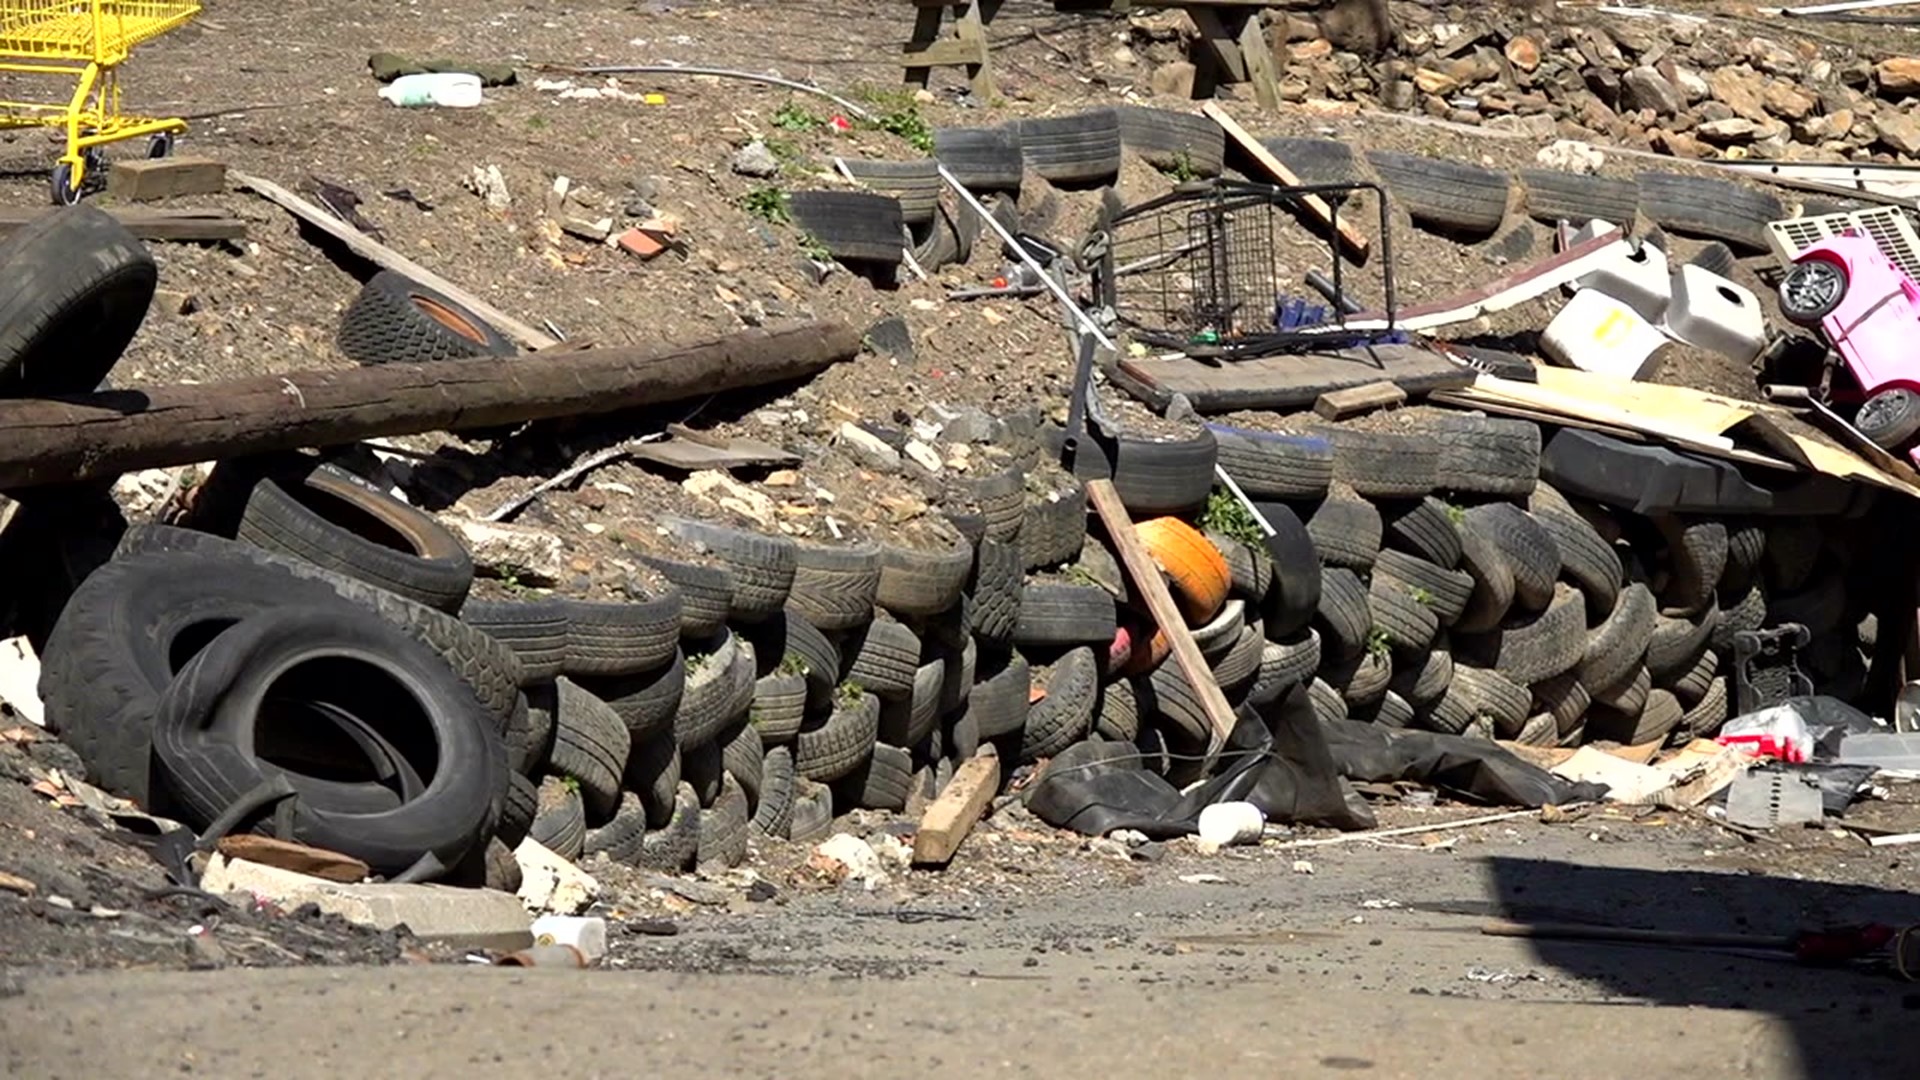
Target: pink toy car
{"x": 1869, "y": 311}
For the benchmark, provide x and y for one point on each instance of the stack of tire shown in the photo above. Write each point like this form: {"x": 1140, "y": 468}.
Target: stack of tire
{"x": 904, "y": 197}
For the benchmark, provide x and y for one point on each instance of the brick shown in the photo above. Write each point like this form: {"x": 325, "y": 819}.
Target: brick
{"x": 163, "y": 178}
{"x": 641, "y": 244}
{"x": 461, "y": 918}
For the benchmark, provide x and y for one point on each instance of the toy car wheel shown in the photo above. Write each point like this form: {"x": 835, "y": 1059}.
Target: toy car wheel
{"x": 1811, "y": 291}
{"x": 1890, "y": 418}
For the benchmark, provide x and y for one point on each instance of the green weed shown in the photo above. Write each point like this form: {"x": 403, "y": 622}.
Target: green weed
{"x": 767, "y": 204}
{"x": 794, "y": 117}
{"x": 1230, "y": 517}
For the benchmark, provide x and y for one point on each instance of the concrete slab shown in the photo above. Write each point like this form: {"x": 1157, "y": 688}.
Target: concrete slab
{"x": 462, "y": 918}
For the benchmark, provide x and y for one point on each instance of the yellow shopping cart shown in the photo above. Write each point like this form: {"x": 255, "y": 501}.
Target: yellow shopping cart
{"x": 85, "y": 40}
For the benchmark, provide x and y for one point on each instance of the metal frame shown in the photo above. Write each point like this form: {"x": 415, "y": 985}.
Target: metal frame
{"x": 1204, "y": 229}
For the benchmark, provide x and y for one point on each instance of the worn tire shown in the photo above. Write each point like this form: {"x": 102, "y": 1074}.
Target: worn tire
{"x": 999, "y": 584}
{"x": 919, "y": 583}
{"x": 1716, "y": 209}
{"x": 1618, "y": 646}
{"x": 1409, "y": 624}
{"x": 1268, "y": 466}
{"x": 1363, "y": 679}
{"x": 1482, "y": 560}
{"x": 881, "y": 657}
{"x": 1537, "y": 649}
{"x": 1446, "y": 592}
{"x": 1065, "y": 715}
{"x": 1316, "y": 161}
{"x": 915, "y": 184}
{"x": 1563, "y": 698}
{"x": 719, "y": 691}
{"x": 1452, "y": 197}
{"x": 1290, "y": 662}
{"x": 1529, "y": 550}
{"x": 1654, "y": 720}
{"x": 723, "y": 828}
{"x": 396, "y": 320}
{"x": 1675, "y": 644}
{"x": 1326, "y": 701}
{"x": 559, "y": 821}
{"x": 743, "y": 756}
{"x": 1748, "y": 612}
{"x": 812, "y": 817}
{"x": 535, "y": 631}
{"x": 1055, "y": 526}
{"x": 834, "y": 585}
{"x": 777, "y": 781}
{"x": 834, "y": 746}
{"x": 1424, "y": 528}
{"x": 517, "y": 810}
{"x": 1117, "y": 717}
{"x": 1705, "y": 718}
{"x": 1385, "y": 465}
{"x": 1553, "y": 196}
{"x": 1486, "y": 456}
{"x": 1151, "y": 476}
{"x": 762, "y": 567}
{"x": 982, "y": 159}
{"x": 1079, "y": 149}
{"x": 673, "y": 844}
{"x": 590, "y": 744}
{"x": 623, "y": 837}
{"x": 1586, "y": 559}
{"x": 1424, "y": 680}
{"x": 1065, "y": 615}
{"x": 1476, "y": 693}
{"x": 779, "y": 707}
{"x": 1691, "y": 685}
{"x": 78, "y": 287}
{"x": 624, "y": 637}
{"x": 647, "y": 702}
{"x": 856, "y": 225}
{"x": 1172, "y": 140}
{"x": 1629, "y": 695}
{"x": 1697, "y": 555}
{"x": 706, "y": 593}
{"x": 1249, "y": 568}
{"x": 1344, "y": 618}
{"x": 1347, "y": 530}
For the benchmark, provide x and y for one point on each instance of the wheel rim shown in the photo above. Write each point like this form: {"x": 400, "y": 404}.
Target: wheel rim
{"x": 1881, "y": 410}
{"x": 1813, "y": 286}
{"x": 450, "y": 319}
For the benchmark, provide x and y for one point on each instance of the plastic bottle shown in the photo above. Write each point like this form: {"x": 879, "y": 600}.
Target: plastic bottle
{"x": 448, "y": 89}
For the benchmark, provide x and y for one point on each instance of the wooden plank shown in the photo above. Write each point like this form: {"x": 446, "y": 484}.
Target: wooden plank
{"x": 952, "y": 816}
{"x": 926, "y": 31}
{"x": 1259, "y": 60}
{"x": 949, "y": 53}
{"x": 1151, "y": 587}
{"x": 163, "y": 178}
{"x": 105, "y": 434}
{"x": 1340, "y": 404}
{"x": 1355, "y": 240}
{"x": 1287, "y": 382}
{"x": 1221, "y": 41}
{"x": 385, "y": 257}
{"x": 202, "y": 226}
{"x": 972, "y": 30}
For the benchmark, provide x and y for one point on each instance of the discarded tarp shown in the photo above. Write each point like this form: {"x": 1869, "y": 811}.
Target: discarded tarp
{"x": 1475, "y": 768}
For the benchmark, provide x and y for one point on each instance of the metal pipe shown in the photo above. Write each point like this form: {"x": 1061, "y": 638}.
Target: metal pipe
{"x": 724, "y": 73}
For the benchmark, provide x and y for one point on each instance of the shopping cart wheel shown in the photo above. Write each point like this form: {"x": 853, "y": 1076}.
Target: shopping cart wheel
{"x": 65, "y": 193}
{"x": 160, "y": 145}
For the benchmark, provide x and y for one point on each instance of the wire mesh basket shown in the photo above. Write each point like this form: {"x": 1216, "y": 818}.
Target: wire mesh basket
{"x": 1202, "y": 269}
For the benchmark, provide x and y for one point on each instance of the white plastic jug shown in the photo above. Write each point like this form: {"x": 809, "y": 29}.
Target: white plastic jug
{"x": 448, "y": 89}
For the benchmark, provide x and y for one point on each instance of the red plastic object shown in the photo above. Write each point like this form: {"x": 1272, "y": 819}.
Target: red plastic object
{"x": 1772, "y": 746}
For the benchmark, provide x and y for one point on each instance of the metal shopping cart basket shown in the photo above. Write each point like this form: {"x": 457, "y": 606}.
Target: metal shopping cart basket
{"x": 85, "y": 41}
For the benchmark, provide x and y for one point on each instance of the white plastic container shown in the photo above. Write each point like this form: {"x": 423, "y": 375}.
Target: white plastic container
{"x": 586, "y": 933}
{"x": 1229, "y": 823}
{"x": 1640, "y": 279}
{"x": 447, "y": 89}
{"x": 1598, "y": 333}
{"x": 1712, "y": 312}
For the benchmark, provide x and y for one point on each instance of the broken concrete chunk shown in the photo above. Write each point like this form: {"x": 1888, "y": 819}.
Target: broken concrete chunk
{"x": 730, "y": 493}
{"x": 486, "y": 182}
{"x": 923, "y": 455}
{"x": 847, "y": 858}
{"x": 528, "y": 555}
{"x": 462, "y": 918}
{"x": 549, "y": 883}
{"x": 867, "y": 448}
{"x": 754, "y": 159}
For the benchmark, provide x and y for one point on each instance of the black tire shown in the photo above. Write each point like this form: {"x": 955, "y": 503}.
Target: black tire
{"x": 1268, "y": 466}
{"x": 1064, "y": 615}
{"x": 915, "y": 184}
{"x": 812, "y": 817}
{"x": 706, "y": 593}
{"x": 1286, "y": 663}
{"x": 624, "y": 637}
{"x": 1692, "y": 684}
{"x": 1316, "y": 161}
{"x": 1744, "y": 611}
{"x": 792, "y": 644}
{"x": 856, "y": 225}
{"x": 1703, "y": 720}
{"x": 1079, "y": 149}
{"x": 776, "y": 794}
{"x": 1482, "y": 560}
{"x": 672, "y": 846}
{"x": 1118, "y": 715}
{"x": 1528, "y": 548}
{"x": 1000, "y": 701}
{"x": 1239, "y": 667}
{"x": 1055, "y": 525}
{"x": 648, "y": 702}
{"x": 1629, "y": 695}
{"x": 1326, "y": 701}
{"x": 1445, "y": 591}
{"x": 762, "y": 567}
{"x": 834, "y": 585}
{"x": 743, "y": 756}
{"x": 78, "y": 287}
{"x": 1171, "y": 141}
{"x": 1549, "y": 644}
{"x": 1222, "y": 632}
{"x": 1344, "y": 619}
{"x": 212, "y": 726}
{"x": 701, "y": 769}
{"x": 881, "y": 657}
{"x": 535, "y": 631}
{"x": 1563, "y": 698}
{"x": 1819, "y": 605}
{"x": 998, "y": 586}
{"x": 1586, "y": 559}
{"x": 1676, "y": 643}
{"x": 517, "y": 810}
{"x": 1653, "y": 721}
{"x": 929, "y": 698}
{"x": 1384, "y": 465}
{"x": 982, "y": 159}
{"x": 1166, "y": 698}
{"x": 1391, "y": 711}
{"x": 1746, "y": 553}
{"x": 590, "y": 744}
{"x": 1618, "y": 646}
{"x": 1362, "y": 680}
{"x": 125, "y": 633}
{"x": 723, "y": 828}
{"x": 1423, "y": 680}
{"x": 920, "y": 583}
{"x": 482, "y": 663}
{"x": 779, "y": 707}
{"x": 623, "y": 837}
{"x": 1294, "y": 596}
{"x": 1793, "y": 551}
{"x": 1697, "y": 556}
{"x": 1152, "y": 477}
{"x": 1554, "y": 196}
{"x": 339, "y": 522}
{"x": 653, "y": 773}
{"x": 882, "y": 782}
{"x": 719, "y": 691}
{"x": 993, "y": 504}
{"x": 1475, "y": 694}
{"x": 1715, "y": 258}
{"x": 1409, "y": 624}
{"x": 396, "y": 320}
{"x": 1250, "y": 567}
{"x": 1452, "y": 197}
{"x": 559, "y": 820}
{"x": 1716, "y": 209}
{"x": 1347, "y": 530}
{"x": 829, "y": 749}
{"x": 1486, "y": 456}
{"x": 1890, "y": 418}
{"x": 1425, "y": 528}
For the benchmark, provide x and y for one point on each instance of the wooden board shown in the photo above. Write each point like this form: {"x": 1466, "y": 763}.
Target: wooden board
{"x": 164, "y": 178}
{"x": 381, "y": 255}
{"x": 1340, "y": 404}
{"x": 1149, "y": 585}
{"x": 202, "y": 226}
{"x": 1258, "y": 57}
{"x": 952, "y": 816}
{"x": 1287, "y": 382}
{"x": 1350, "y": 235}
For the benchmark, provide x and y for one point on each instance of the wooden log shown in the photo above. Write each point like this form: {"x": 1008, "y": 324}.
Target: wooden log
{"x": 46, "y": 441}
{"x": 952, "y": 816}
{"x": 1340, "y": 404}
{"x": 1151, "y": 587}
{"x": 163, "y": 178}
{"x": 202, "y": 226}
{"x": 388, "y": 259}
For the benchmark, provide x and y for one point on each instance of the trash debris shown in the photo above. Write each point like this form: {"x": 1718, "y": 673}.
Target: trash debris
{"x": 447, "y": 90}
{"x": 587, "y": 935}
{"x": 844, "y": 857}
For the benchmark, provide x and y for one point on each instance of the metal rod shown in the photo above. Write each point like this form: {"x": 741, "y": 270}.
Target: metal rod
{"x": 724, "y": 73}
{"x": 1258, "y": 517}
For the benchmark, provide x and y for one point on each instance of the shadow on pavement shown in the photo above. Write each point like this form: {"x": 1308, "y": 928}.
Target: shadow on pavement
{"x": 1848, "y": 1023}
